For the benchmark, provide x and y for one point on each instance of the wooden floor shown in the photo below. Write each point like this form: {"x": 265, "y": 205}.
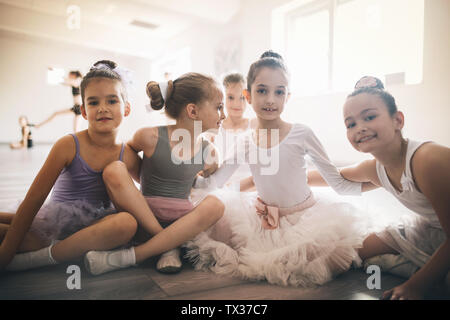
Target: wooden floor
{"x": 17, "y": 170}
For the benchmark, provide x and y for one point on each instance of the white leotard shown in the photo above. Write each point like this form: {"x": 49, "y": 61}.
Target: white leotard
{"x": 410, "y": 196}
{"x": 279, "y": 172}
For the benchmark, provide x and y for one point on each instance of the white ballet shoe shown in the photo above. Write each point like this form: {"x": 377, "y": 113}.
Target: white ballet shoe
{"x": 226, "y": 259}
{"x": 392, "y": 263}
{"x": 99, "y": 262}
{"x": 32, "y": 259}
{"x": 357, "y": 262}
{"x": 169, "y": 262}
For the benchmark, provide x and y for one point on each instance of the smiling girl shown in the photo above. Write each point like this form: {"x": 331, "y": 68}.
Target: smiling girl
{"x": 172, "y": 157}
{"x": 416, "y": 173}
{"x": 283, "y": 233}
{"x": 79, "y": 216}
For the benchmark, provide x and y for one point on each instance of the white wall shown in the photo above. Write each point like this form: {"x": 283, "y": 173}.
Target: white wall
{"x": 426, "y": 105}
{"x": 23, "y": 63}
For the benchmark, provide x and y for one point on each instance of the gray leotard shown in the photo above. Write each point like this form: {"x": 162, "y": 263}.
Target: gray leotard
{"x": 160, "y": 176}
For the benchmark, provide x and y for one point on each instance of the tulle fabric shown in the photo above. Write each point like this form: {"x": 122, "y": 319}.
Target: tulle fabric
{"x": 58, "y": 220}
{"x": 308, "y": 248}
{"x": 414, "y": 237}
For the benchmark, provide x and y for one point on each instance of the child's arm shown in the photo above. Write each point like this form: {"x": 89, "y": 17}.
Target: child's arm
{"x": 247, "y": 184}
{"x": 133, "y": 162}
{"x": 222, "y": 174}
{"x": 328, "y": 170}
{"x": 61, "y": 155}
{"x": 144, "y": 139}
{"x": 316, "y": 180}
{"x": 431, "y": 171}
{"x": 364, "y": 172}
{"x": 219, "y": 177}
{"x": 212, "y": 161}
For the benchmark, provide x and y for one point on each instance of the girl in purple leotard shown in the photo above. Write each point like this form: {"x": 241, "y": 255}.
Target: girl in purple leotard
{"x": 79, "y": 215}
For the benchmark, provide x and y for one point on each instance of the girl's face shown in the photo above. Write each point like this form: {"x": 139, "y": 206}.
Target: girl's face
{"x": 103, "y": 106}
{"x": 235, "y": 100}
{"x": 370, "y": 127}
{"x": 23, "y": 121}
{"x": 74, "y": 80}
{"x": 210, "y": 112}
{"x": 269, "y": 93}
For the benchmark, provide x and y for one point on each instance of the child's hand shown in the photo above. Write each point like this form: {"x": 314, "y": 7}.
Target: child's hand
{"x": 209, "y": 170}
{"x": 403, "y": 292}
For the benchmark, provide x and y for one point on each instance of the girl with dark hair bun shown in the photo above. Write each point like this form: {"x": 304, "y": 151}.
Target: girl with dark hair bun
{"x": 27, "y": 140}
{"x": 79, "y": 215}
{"x": 73, "y": 80}
{"x": 284, "y": 233}
{"x": 173, "y": 155}
{"x": 417, "y": 173}
{"x": 235, "y": 124}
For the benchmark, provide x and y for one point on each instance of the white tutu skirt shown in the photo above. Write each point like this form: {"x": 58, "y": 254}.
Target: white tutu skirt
{"x": 58, "y": 220}
{"x": 308, "y": 248}
{"x": 414, "y": 238}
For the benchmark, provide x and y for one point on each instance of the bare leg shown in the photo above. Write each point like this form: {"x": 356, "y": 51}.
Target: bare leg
{"x": 30, "y": 242}
{"x": 374, "y": 246}
{"x": 108, "y": 233}
{"x": 127, "y": 197}
{"x": 3, "y": 231}
{"x": 16, "y": 145}
{"x": 6, "y": 218}
{"x": 207, "y": 213}
{"x": 55, "y": 114}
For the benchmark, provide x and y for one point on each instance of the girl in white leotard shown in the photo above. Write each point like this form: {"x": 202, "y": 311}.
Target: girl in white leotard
{"x": 416, "y": 173}
{"x": 288, "y": 236}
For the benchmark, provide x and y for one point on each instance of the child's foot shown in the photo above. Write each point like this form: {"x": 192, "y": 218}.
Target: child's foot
{"x": 33, "y": 259}
{"x": 393, "y": 263}
{"x": 169, "y": 262}
{"x": 99, "y": 262}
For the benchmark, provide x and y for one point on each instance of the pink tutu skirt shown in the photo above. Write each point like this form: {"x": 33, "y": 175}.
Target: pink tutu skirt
{"x": 166, "y": 209}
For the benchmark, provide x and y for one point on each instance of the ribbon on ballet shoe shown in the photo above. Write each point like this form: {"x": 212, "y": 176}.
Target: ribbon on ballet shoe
{"x": 270, "y": 215}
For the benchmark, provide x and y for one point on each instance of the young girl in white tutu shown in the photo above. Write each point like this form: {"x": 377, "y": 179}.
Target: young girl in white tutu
{"x": 232, "y": 127}
{"x": 282, "y": 233}
{"x": 79, "y": 212}
{"x": 416, "y": 173}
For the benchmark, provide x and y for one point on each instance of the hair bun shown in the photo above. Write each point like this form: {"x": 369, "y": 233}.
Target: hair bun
{"x": 154, "y": 93}
{"x": 271, "y": 54}
{"x": 369, "y": 82}
{"x": 108, "y": 63}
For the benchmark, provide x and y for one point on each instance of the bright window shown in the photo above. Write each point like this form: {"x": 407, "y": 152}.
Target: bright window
{"x": 55, "y": 76}
{"x": 329, "y": 44}
{"x": 171, "y": 66}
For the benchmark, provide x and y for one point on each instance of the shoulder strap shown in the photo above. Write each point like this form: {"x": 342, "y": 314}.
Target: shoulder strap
{"x": 77, "y": 143}
{"x": 412, "y": 148}
{"x": 121, "y": 152}
{"x": 381, "y": 173}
